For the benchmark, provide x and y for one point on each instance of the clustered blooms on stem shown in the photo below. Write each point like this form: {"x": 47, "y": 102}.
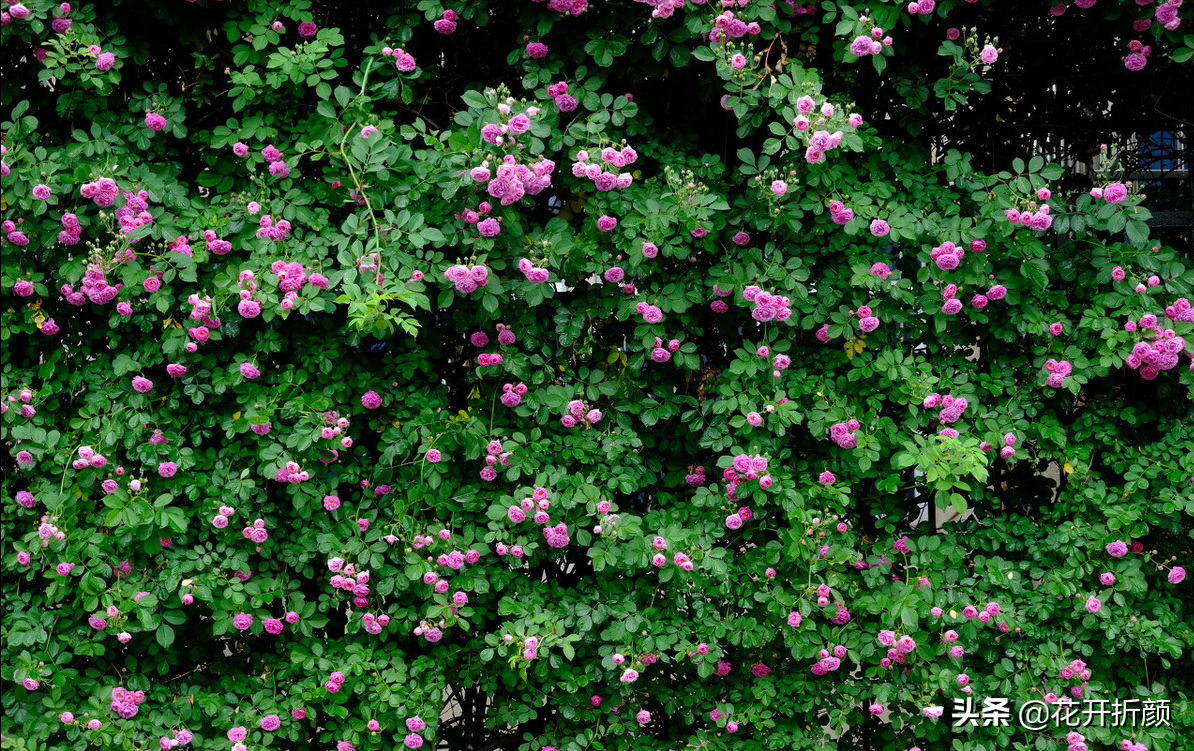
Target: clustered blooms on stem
{"x": 1036, "y": 217}
{"x": 126, "y": 704}
{"x": 767, "y": 306}
{"x": 726, "y": 27}
{"x": 403, "y": 61}
{"x": 568, "y": 7}
{"x": 277, "y": 166}
{"x": 467, "y": 280}
{"x": 745, "y": 468}
{"x": 867, "y": 321}
{"x": 447, "y": 23}
{"x": 564, "y": 101}
{"x": 268, "y": 229}
{"x": 843, "y": 434}
{"x": 512, "y": 180}
{"x": 214, "y": 244}
{"x": 829, "y": 660}
{"x": 947, "y": 255}
{"x": 1058, "y": 371}
{"x": 247, "y": 307}
{"x": 951, "y": 407}
{"x": 512, "y": 394}
{"x": 291, "y": 473}
{"x": 373, "y": 624}
{"x": 71, "y": 230}
{"x": 661, "y": 354}
{"x": 89, "y": 457}
{"x": 414, "y": 726}
{"x": 1137, "y": 57}
{"x": 1008, "y": 450}
{"x": 95, "y": 286}
{"x": 602, "y": 175}
{"x": 871, "y": 43}
{"x": 494, "y": 456}
{"x": 348, "y": 579}
{"x": 578, "y": 414}
{"x": 839, "y": 214}
{"x": 821, "y": 140}
{"x": 291, "y": 279}
{"x": 1166, "y": 347}
{"x": 505, "y": 337}
{"x": 534, "y": 274}
{"x": 650, "y": 313}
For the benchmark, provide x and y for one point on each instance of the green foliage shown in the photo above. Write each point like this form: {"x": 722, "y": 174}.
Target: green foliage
{"x": 355, "y": 363}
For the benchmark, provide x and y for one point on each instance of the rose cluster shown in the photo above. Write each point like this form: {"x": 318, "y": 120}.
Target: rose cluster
{"x": 347, "y": 579}
{"x": 564, "y": 101}
{"x": 745, "y": 468}
{"x": 1058, "y": 371}
{"x": 660, "y": 354}
{"x": 533, "y": 274}
{"x": 829, "y": 661}
{"x": 578, "y": 414}
{"x": 838, "y": 211}
{"x": 947, "y": 255}
{"x": 603, "y": 174}
{"x": 126, "y": 704}
{"x": 1162, "y": 354}
{"x": 843, "y": 433}
{"x": 467, "y": 280}
{"x": 726, "y": 27}
{"x": 513, "y": 180}
{"x": 951, "y": 407}
{"x": 494, "y": 457}
{"x": 1038, "y": 220}
{"x": 821, "y": 140}
{"x": 268, "y": 229}
{"x": 512, "y": 394}
{"x": 767, "y": 306}
{"x": 291, "y": 473}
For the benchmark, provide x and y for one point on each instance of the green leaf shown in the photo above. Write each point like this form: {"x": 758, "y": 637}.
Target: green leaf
{"x": 164, "y": 635}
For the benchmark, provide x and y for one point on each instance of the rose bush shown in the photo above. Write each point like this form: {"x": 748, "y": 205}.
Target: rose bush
{"x": 545, "y": 375}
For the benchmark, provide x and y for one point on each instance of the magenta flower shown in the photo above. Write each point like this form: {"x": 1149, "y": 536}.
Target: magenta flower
{"x": 1115, "y": 193}
{"x": 154, "y": 121}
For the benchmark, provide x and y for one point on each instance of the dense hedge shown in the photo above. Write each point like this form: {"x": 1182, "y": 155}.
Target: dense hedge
{"x": 627, "y": 376}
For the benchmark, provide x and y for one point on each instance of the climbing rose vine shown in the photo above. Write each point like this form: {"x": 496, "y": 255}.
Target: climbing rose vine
{"x": 566, "y": 375}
